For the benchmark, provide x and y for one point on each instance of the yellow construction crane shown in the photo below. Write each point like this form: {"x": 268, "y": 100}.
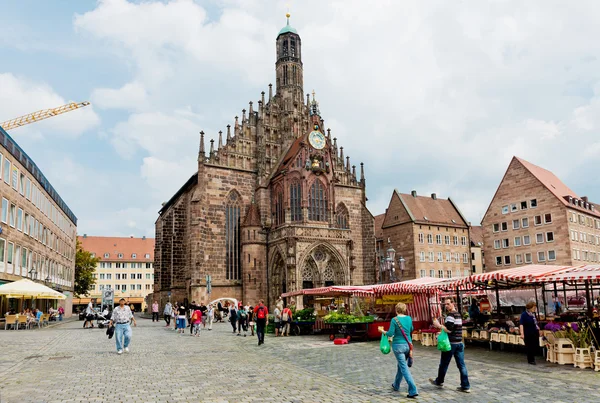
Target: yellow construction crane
{"x": 41, "y": 115}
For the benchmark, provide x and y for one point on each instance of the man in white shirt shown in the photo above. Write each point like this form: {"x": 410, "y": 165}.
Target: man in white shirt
{"x": 121, "y": 318}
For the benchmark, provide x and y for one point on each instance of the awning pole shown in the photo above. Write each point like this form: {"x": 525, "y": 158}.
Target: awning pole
{"x": 458, "y": 301}
{"x": 497, "y": 300}
{"x": 544, "y": 300}
{"x": 589, "y": 301}
{"x": 536, "y": 304}
{"x": 429, "y": 304}
{"x": 565, "y": 296}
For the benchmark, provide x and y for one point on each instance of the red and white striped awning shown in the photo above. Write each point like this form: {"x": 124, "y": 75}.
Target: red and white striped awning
{"x": 514, "y": 276}
{"x": 577, "y": 273}
{"x": 334, "y": 291}
{"x": 407, "y": 287}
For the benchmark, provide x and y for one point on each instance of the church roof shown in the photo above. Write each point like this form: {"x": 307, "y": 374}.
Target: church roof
{"x": 252, "y": 218}
{"x": 287, "y": 27}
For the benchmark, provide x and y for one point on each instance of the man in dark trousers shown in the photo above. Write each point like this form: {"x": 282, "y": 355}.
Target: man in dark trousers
{"x": 453, "y": 326}
{"x": 261, "y": 315}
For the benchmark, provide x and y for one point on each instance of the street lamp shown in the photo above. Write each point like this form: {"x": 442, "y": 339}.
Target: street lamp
{"x": 33, "y": 274}
{"x": 401, "y": 262}
{"x": 391, "y": 254}
{"x": 382, "y": 264}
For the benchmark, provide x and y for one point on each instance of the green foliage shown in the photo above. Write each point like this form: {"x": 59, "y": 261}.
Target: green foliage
{"x": 85, "y": 266}
{"x": 304, "y": 315}
{"x": 580, "y": 339}
{"x": 336, "y": 317}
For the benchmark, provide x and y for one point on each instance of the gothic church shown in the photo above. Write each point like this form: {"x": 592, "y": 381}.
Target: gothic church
{"x": 274, "y": 206}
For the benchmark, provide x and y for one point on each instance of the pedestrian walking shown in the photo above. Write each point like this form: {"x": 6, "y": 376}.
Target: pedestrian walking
{"x": 233, "y": 317}
{"x": 242, "y": 317}
{"x": 89, "y": 316}
{"x": 196, "y": 321}
{"x": 401, "y": 328}
{"x": 210, "y": 313}
{"x": 286, "y": 320}
{"x": 204, "y": 311}
{"x": 251, "y": 319}
{"x": 155, "y": 311}
{"x": 181, "y": 311}
{"x": 277, "y": 319}
{"x": 121, "y": 318}
{"x": 61, "y": 312}
{"x": 262, "y": 320}
{"x": 174, "y": 315}
{"x": 530, "y": 331}
{"x": 453, "y": 326}
{"x": 167, "y": 313}
{"x": 132, "y": 308}
{"x": 193, "y": 307}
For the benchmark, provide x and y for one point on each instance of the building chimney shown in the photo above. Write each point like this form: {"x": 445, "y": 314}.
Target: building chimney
{"x": 434, "y": 196}
{"x": 584, "y": 198}
{"x": 413, "y": 193}
{"x": 85, "y": 235}
{"x": 144, "y": 238}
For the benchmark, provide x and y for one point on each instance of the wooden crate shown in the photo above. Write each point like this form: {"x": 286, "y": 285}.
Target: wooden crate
{"x": 565, "y": 358}
{"x": 416, "y": 336}
{"x": 597, "y": 361}
{"x": 551, "y": 355}
{"x": 484, "y": 335}
{"x": 475, "y": 334}
{"x": 494, "y": 337}
{"x": 512, "y": 339}
{"x": 502, "y": 337}
{"x": 564, "y": 346}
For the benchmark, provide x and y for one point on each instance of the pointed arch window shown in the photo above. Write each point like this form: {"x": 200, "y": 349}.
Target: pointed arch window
{"x": 341, "y": 217}
{"x": 285, "y": 48}
{"x": 285, "y": 75}
{"x": 278, "y": 210}
{"x": 232, "y": 237}
{"x": 296, "y": 201}
{"x": 293, "y": 48}
{"x": 317, "y": 202}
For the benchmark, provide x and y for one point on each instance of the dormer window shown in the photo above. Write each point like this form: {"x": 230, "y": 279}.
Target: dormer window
{"x": 147, "y": 256}
{"x": 106, "y": 255}
{"x": 120, "y": 256}
{"x": 133, "y": 255}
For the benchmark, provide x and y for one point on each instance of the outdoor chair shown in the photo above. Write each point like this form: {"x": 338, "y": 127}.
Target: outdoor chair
{"x": 11, "y": 320}
{"x": 46, "y": 319}
{"x": 22, "y": 322}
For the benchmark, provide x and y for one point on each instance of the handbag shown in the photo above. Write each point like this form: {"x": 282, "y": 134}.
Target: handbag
{"x": 410, "y": 345}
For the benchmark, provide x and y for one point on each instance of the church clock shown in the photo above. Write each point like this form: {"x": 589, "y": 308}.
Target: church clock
{"x": 316, "y": 139}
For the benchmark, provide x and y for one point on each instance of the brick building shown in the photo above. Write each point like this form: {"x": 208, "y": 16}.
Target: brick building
{"x": 534, "y": 218}
{"x": 430, "y": 236}
{"x": 126, "y": 266}
{"x": 274, "y": 207}
{"x": 37, "y": 230}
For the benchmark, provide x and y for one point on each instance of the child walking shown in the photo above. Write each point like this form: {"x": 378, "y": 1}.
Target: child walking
{"x": 196, "y": 321}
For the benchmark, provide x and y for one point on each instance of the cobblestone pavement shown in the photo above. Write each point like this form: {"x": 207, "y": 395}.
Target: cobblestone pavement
{"x": 69, "y": 364}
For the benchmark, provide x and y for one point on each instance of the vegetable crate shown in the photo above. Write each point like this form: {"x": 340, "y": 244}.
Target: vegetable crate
{"x": 484, "y": 335}
{"x": 565, "y": 351}
{"x": 494, "y": 337}
{"x": 583, "y": 358}
{"x": 512, "y": 339}
{"x": 429, "y": 339}
{"x": 416, "y": 336}
{"x": 475, "y": 334}
{"x": 502, "y": 337}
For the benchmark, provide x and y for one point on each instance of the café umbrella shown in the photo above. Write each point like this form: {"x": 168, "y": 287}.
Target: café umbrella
{"x": 26, "y": 288}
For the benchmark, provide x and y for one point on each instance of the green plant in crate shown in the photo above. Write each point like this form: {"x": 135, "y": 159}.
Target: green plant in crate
{"x": 305, "y": 315}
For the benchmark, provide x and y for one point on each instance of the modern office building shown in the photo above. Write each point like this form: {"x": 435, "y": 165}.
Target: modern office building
{"x": 37, "y": 228}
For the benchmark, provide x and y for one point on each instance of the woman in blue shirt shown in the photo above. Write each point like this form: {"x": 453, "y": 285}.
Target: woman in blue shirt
{"x": 401, "y": 345}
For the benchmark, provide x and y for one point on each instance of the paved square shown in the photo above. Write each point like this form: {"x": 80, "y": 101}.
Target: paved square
{"x": 66, "y": 363}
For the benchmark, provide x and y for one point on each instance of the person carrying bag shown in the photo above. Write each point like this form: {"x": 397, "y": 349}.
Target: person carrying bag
{"x": 402, "y": 347}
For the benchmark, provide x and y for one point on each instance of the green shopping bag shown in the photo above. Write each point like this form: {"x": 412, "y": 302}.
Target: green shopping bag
{"x": 384, "y": 344}
{"x": 443, "y": 342}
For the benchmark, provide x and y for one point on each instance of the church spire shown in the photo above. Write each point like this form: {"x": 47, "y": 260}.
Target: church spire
{"x": 289, "y": 72}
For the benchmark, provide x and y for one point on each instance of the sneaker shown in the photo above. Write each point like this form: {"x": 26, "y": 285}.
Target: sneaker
{"x": 394, "y": 388}
{"x": 412, "y": 396}
{"x": 434, "y": 382}
{"x": 126, "y": 349}
{"x": 119, "y": 351}
{"x": 463, "y": 390}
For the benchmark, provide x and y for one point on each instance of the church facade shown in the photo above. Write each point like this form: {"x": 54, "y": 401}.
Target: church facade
{"x": 274, "y": 206}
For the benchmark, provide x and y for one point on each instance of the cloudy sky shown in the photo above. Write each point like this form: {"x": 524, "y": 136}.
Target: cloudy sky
{"x": 435, "y": 96}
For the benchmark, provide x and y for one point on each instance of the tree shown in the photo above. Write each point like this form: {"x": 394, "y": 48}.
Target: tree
{"x": 85, "y": 266}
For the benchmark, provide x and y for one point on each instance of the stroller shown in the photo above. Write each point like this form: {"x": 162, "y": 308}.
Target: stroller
{"x": 103, "y": 318}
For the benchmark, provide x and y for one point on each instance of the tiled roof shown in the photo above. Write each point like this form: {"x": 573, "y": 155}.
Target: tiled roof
{"x": 556, "y": 186}
{"x": 476, "y": 235}
{"x": 252, "y": 218}
{"x": 378, "y": 223}
{"x": 427, "y": 210}
{"x": 99, "y": 245}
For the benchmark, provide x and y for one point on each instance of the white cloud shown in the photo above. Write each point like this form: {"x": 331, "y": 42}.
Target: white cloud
{"x": 131, "y": 96}
{"x": 20, "y": 96}
{"x": 433, "y": 96}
